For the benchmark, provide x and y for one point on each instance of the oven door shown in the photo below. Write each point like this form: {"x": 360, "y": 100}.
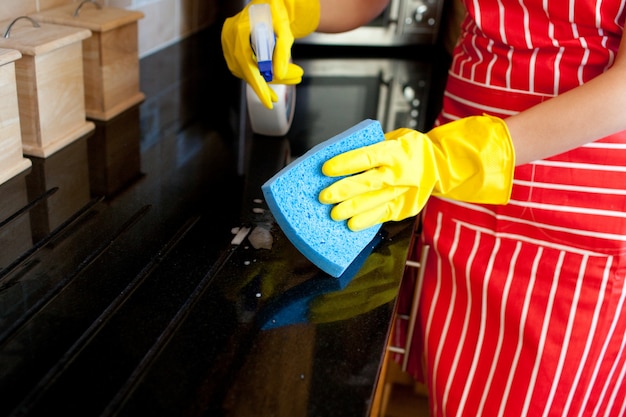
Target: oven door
{"x": 335, "y": 94}
{"x": 403, "y": 22}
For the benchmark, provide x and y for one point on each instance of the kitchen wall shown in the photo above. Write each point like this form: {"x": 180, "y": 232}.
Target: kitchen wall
{"x": 165, "y": 21}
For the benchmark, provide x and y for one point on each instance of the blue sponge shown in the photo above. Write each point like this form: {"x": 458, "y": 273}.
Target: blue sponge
{"x": 292, "y": 196}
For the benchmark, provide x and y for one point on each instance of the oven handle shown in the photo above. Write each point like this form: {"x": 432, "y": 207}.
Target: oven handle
{"x": 384, "y": 102}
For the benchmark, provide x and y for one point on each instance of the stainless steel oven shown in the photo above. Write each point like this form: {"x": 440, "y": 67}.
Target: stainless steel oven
{"x": 337, "y": 93}
{"x": 403, "y": 22}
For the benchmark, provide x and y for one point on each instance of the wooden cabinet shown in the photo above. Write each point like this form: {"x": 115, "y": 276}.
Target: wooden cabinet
{"x": 12, "y": 162}
{"x": 49, "y": 78}
{"x": 110, "y": 55}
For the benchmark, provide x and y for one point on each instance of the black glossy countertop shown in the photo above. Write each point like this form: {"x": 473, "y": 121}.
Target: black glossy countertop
{"x": 120, "y": 290}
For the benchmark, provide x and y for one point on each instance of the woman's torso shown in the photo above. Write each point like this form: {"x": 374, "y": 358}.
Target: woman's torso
{"x": 538, "y": 46}
{"x": 516, "y": 54}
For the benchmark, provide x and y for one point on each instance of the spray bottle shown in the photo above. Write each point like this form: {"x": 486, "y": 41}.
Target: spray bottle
{"x": 277, "y": 121}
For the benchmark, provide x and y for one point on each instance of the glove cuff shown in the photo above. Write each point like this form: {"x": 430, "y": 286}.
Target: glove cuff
{"x": 304, "y": 16}
{"x": 479, "y": 151}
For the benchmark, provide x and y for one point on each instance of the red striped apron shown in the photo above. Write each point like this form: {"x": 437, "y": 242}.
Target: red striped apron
{"x": 519, "y": 310}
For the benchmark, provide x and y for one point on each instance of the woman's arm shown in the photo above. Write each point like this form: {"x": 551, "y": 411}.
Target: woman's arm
{"x": 343, "y": 15}
{"x": 581, "y": 115}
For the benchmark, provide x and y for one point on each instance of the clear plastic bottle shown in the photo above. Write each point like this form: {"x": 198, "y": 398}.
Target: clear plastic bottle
{"x": 274, "y": 122}
{"x": 264, "y": 121}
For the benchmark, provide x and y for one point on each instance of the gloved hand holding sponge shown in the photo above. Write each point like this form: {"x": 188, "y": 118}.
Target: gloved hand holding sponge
{"x": 291, "y": 19}
{"x": 471, "y": 159}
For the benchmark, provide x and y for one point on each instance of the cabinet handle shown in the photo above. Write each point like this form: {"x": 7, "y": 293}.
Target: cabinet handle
{"x": 7, "y": 33}
{"x": 413, "y": 314}
{"x": 80, "y": 6}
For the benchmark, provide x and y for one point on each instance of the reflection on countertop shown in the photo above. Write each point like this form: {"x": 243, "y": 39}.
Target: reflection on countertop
{"x": 122, "y": 292}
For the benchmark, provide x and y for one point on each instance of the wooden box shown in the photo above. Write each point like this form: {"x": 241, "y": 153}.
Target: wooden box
{"x": 12, "y": 161}
{"x": 50, "y": 87}
{"x": 111, "y": 55}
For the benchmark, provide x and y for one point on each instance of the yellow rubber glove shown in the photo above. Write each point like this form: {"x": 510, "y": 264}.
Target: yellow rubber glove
{"x": 291, "y": 19}
{"x": 471, "y": 159}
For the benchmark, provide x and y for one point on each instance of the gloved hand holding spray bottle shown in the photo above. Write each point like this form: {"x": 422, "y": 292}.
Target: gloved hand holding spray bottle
{"x": 287, "y": 20}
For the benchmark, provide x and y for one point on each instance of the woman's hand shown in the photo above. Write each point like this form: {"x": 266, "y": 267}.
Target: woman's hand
{"x": 291, "y": 19}
{"x": 471, "y": 159}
